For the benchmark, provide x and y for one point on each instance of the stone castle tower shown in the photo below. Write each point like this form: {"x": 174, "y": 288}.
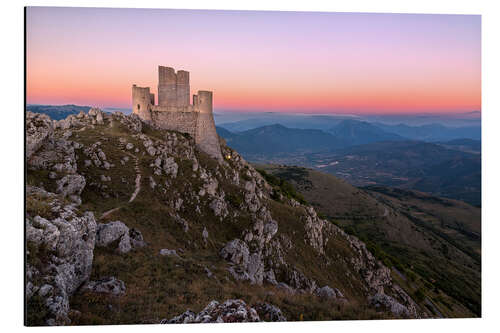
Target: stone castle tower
{"x": 174, "y": 110}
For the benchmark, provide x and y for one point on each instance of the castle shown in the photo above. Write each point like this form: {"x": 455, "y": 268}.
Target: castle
{"x": 174, "y": 111}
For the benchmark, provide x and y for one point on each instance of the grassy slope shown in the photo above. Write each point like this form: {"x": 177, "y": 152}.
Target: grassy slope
{"x": 432, "y": 243}
{"x": 162, "y": 287}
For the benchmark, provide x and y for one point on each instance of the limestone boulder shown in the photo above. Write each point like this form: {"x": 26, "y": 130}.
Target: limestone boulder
{"x": 70, "y": 185}
{"x": 386, "y": 302}
{"x": 117, "y": 234}
{"x": 39, "y": 129}
{"x": 60, "y": 253}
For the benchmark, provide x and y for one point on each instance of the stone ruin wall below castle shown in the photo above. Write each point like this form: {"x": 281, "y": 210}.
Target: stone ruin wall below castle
{"x": 182, "y": 121}
{"x": 200, "y": 126}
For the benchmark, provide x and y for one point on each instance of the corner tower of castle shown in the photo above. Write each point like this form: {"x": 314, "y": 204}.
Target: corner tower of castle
{"x": 174, "y": 111}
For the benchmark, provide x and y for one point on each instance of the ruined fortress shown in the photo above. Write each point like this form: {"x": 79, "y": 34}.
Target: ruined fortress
{"x": 174, "y": 110}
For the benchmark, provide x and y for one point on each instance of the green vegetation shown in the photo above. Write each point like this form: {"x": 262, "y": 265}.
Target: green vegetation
{"x": 282, "y": 187}
{"x": 433, "y": 243}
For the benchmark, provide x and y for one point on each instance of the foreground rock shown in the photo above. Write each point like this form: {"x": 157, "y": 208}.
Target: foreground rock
{"x": 39, "y": 130}
{"x": 386, "y": 302}
{"x": 231, "y": 311}
{"x": 60, "y": 253}
{"x": 117, "y": 231}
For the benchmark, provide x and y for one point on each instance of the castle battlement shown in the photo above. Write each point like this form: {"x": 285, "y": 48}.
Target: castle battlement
{"x": 174, "y": 111}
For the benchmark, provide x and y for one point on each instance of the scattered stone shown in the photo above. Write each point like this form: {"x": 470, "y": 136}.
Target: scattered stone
{"x": 70, "y": 184}
{"x": 108, "y": 285}
{"x": 169, "y": 253}
{"x": 231, "y": 311}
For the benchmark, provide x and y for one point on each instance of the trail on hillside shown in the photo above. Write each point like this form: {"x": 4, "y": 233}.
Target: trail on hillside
{"x": 138, "y": 178}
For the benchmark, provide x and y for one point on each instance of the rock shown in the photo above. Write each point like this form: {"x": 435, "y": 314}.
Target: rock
{"x": 236, "y": 251}
{"x": 136, "y": 239}
{"x": 327, "y": 292}
{"x": 387, "y": 302}
{"x": 105, "y": 178}
{"x": 152, "y": 182}
{"x": 129, "y": 146}
{"x": 39, "y": 130}
{"x": 151, "y": 150}
{"x": 209, "y": 272}
{"x": 108, "y": 285}
{"x": 70, "y": 184}
{"x": 219, "y": 207}
{"x": 62, "y": 247}
{"x": 268, "y": 312}
{"x": 170, "y": 167}
{"x": 169, "y": 253}
{"x": 100, "y": 117}
{"x": 204, "y": 234}
{"x": 286, "y": 288}
{"x": 110, "y": 232}
{"x": 117, "y": 231}
{"x": 55, "y": 155}
{"x": 244, "y": 265}
{"x": 231, "y": 311}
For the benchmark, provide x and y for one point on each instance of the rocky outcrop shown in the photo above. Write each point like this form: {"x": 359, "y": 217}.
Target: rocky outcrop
{"x": 60, "y": 253}
{"x": 70, "y": 185}
{"x": 117, "y": 232}
{"x": 387, "y": 302}
{"x": 260, "y": 250}
{"x": 231, "y": 311}
{"x": 327, "y": 292}
{"x": 39, "y": 130}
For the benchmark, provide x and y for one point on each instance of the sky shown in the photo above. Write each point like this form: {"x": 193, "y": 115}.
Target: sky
{"x": 305, "y": 62}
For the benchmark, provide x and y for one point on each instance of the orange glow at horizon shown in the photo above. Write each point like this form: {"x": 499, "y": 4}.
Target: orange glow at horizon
{"x": 361, "y": 63}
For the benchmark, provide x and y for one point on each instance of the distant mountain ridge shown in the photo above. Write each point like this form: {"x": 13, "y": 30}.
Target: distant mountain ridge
{"x": 58, "y": 112}
{"x": 357, "y": 132}
{"x": 432, "y": 132}
{"x": 276, "y": 138}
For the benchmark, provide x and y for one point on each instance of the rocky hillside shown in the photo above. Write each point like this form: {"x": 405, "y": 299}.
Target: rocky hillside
{"x": 126, "y": 223}
{"x": 432, "y": 244}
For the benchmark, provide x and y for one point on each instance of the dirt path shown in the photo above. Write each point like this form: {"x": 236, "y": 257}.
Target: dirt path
{"x": 138, "y": 177}
{"x": 109, "y": 212}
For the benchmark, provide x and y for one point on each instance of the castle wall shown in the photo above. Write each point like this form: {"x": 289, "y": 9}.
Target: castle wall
{"x": 206, "y": 135}
{"x": 174, "y": 112}
{"x": 141, "y": 102}
{"x": 182, "y": 87}
{"x": 177, "y": 119}
{"x": 167, "y": 86}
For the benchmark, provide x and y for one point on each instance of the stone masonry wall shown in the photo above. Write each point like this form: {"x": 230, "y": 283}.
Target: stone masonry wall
{"x": 184, "y": 122}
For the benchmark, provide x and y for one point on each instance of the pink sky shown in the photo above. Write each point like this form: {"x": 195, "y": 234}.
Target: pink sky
{"x": 263, "y": 61}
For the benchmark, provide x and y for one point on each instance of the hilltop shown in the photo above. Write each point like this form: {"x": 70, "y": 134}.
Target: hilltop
{"x": 129, "y": 223}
